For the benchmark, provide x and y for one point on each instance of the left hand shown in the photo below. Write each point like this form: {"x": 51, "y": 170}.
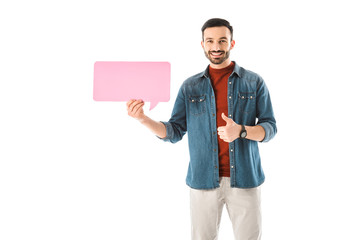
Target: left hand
{"x": 231, "y": 131}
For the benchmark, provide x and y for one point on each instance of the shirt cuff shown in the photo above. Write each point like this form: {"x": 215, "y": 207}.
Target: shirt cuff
{"x": 269, "y": 131}
{"x": 168, "y": 132}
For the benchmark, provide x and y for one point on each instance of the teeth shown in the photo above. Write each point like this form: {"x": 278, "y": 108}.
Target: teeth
{"x": 216, "y": 54}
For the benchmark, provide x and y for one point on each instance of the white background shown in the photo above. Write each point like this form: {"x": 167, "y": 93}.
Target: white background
{"x": 73, "y": 168}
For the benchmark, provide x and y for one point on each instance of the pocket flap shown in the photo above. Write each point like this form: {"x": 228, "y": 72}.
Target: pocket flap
{"x": 197, "y": 98}
{"x": 247, "y": 95}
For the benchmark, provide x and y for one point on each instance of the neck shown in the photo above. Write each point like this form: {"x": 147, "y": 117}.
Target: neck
{"x": 222, "y": 65}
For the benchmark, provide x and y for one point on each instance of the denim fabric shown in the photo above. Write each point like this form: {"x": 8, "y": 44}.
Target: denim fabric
{"x": 194, "y": 112}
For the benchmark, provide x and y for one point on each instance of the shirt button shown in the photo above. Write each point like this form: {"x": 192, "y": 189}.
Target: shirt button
{"x": 232, "y": 166}
{"x": 230, "y": 97}
{"x": 229, "y": 82}
{"x": 231, "y": 150}
{"x": 230, "y": 115}
{"x": 213, "y": 115}
{"x": 215, "y": 150}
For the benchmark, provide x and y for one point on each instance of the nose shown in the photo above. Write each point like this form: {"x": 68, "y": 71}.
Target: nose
{"x": 216, "y": 47}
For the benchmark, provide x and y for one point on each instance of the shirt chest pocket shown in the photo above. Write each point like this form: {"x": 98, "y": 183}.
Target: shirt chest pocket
{"x": 197, "y": 104}
{"x": 247, "y": 102}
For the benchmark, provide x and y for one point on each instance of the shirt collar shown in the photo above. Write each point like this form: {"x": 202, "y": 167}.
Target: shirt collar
{"x": 237, "y": 70}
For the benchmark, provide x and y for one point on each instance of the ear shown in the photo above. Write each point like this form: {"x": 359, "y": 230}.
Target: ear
{"x": 202, "y": 44}
{"x": 232, "y": 44}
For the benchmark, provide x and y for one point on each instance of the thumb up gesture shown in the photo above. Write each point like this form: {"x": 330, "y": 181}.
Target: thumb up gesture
{"x": 230, "y": 131}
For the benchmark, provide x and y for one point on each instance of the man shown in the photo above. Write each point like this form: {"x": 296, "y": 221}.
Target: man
{"x": 225, "y": 110}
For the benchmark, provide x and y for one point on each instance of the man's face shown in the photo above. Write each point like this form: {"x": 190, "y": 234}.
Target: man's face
{"x": 217, "y": 44}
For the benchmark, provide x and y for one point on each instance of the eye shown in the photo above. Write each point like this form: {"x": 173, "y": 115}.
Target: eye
{"x": 209, "y": 41}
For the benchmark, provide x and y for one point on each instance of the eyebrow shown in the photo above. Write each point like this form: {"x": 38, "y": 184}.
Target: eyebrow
{"x": 220, "y": 38}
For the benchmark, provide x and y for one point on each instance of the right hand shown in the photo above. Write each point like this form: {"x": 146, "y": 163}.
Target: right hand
{"x": 135, "y": 109}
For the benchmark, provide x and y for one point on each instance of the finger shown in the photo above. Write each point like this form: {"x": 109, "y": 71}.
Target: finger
{"x": 138, "y": 107}
{"x": 131, "y": 108}
{"x": 224, "y": 139}
{"x": 130, "y": 105}
{"x": 134, "y": 105}
{"x": 133, "y": 101}
{"x": 226, "y": 119}
{"x": 221, "y": 135}
{"x": 130, "y": 102}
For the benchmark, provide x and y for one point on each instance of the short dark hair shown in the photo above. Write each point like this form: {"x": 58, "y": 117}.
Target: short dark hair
{"x": 216, "y": 22}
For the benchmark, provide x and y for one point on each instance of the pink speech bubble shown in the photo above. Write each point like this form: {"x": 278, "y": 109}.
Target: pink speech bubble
{"x": 123, "y": 81}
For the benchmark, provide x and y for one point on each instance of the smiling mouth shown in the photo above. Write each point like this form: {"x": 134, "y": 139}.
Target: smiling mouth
{"x": 216, "y": 54}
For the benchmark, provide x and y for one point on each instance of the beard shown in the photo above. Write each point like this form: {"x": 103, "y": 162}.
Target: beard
{"x": 225, "y": 55}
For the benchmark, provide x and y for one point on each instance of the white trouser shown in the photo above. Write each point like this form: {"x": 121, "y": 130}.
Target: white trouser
{"x": 243, "y": 206}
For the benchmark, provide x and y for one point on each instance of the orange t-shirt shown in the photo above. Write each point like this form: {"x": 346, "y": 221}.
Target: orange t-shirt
{"x": 219, "y": 79}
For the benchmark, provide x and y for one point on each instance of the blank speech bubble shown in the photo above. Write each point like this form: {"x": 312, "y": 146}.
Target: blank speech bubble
{"x": 123, "y": 81}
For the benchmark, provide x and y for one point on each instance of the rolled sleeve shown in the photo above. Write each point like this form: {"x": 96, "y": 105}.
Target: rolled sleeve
{"x": 265, "y": 113}
{"x": 169, "y": 132}
{"x": 270, "y": 131}
{"x": 176, "y": 127}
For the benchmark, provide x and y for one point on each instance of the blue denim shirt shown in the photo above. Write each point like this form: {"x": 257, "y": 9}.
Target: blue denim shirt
{"x": 194, "y": 112}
